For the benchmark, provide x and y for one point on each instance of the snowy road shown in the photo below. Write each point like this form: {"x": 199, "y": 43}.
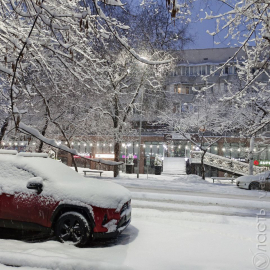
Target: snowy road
{"x": 199, "y": 204}
{"x": 249, "y": 195}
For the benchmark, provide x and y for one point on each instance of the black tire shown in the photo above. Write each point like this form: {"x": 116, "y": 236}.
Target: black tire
{"x": 254, "y": 186}
{"x": 72, "y": 227}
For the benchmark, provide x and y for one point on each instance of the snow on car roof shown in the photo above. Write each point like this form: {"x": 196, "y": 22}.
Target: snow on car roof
{"x": 59, "y": 182}
{"x": 28, "y": 154}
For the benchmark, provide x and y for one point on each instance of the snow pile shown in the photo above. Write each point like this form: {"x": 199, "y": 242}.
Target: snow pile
{"x": 59, "y": 182}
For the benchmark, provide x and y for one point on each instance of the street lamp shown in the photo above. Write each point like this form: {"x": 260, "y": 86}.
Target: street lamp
{"x": 140, "y": 138}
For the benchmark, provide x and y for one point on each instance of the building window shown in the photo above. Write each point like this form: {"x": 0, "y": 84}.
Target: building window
{"x": 183, "y": 71}
{"x": 208, "y": 70}
{"x": 203, "y": 70}
{"x": 181, "y": 89}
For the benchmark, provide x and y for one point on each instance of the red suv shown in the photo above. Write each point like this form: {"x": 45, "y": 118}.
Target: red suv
{"x": 44, "y": 195}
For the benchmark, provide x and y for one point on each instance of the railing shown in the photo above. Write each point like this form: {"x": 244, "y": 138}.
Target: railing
{"x": 223, "y": 163}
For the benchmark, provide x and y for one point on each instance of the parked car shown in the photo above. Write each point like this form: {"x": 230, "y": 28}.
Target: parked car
{"x": 41, "y": 194}
{"x": 254, "y": 182}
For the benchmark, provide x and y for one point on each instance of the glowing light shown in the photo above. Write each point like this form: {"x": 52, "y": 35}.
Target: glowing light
{"x": 104, "y": 155}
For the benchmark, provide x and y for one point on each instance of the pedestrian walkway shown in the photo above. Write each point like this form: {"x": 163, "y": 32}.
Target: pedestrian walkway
{"x": 174, "y": 166}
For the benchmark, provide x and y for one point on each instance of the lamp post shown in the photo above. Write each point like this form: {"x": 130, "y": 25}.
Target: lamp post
{"x": 140, "y": 138}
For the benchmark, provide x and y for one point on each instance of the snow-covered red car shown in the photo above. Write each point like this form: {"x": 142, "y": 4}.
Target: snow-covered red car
{"x": 44, "y": 195}
{"x": 254, "y": 182}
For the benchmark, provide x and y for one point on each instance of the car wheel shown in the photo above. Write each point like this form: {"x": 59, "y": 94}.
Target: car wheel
{"x": 254, "y": 186}
{"x": 72, "y": 227}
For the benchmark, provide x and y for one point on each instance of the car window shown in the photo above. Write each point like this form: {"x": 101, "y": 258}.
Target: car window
{"x": 9, "y": 172}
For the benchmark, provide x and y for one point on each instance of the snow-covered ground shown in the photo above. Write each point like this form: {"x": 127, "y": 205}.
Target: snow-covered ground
{"x": 178, "y": 222}
{"x": 155, "y": 240}
{"x": 174, "y": 165}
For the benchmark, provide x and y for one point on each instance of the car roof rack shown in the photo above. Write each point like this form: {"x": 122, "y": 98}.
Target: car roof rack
{"x": 29, "y": 154}
{"x": 8, "y": 152}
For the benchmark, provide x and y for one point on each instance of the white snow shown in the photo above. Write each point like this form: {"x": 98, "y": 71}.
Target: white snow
{"x": 174, "y": 165}
{"x": 156, "y": 240}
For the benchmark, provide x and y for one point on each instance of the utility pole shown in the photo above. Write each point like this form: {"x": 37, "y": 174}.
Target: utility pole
{"x": 251, "y": 155}
{"x": 140, "y": 138}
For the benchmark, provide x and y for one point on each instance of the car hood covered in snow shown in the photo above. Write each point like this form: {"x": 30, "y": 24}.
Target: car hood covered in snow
{"x": 59, "y": 182}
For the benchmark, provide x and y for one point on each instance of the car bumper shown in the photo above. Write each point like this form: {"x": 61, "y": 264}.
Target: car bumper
{"x": 122, "y": 225}
{"x": 243, "y": 185}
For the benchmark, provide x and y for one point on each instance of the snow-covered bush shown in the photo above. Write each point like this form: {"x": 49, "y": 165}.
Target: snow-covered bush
{"x": 158, "y": 161}
{"x": 130, "y": 159}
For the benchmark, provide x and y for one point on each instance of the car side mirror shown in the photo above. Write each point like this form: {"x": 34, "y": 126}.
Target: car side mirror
{"x": 35, "y": 183}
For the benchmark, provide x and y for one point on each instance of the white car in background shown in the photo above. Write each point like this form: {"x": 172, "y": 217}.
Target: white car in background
{"x": 254, "y": 182}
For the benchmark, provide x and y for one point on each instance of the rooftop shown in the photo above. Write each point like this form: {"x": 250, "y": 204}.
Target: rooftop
{"x": 212, "y": 55}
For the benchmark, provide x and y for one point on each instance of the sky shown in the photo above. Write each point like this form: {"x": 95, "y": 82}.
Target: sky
{"x": 198, "y": 28}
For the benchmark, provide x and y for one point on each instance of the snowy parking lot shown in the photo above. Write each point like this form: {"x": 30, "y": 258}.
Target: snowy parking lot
{"x": 178, "y": 222}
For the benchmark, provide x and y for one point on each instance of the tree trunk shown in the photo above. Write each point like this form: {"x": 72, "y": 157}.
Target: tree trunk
{"x": 43, "y": 133}
{"x": 74, "y": 163}
{"x": 202, "y": 165}
{"x": 116, "y": 140}
{"x": 116, "y": 158}
{"x": 3, "y": 129}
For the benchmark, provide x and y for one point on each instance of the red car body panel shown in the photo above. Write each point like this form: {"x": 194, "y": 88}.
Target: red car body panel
{"x": 99, "y": 214}
{"x": 27, "y": 208}
{"x": 38, "y": 209}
